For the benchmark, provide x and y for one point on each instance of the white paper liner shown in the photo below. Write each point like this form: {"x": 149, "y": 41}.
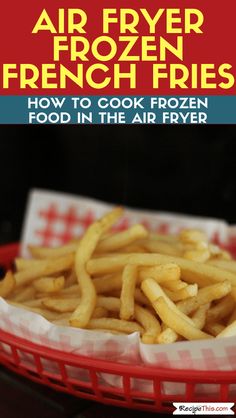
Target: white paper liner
{"x": 205, "y": 355}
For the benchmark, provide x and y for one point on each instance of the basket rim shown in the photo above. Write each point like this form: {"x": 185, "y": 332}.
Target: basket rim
{"x": 146, "y": 371}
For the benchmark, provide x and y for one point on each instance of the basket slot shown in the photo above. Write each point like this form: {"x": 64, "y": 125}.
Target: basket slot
{"x": 78, "y": 377}
{"x": 26, "y": 361}
{"x": 94, "y": 381}
{"x": 204, "y": 392}
{"x": 6, "y": 351}
{"x": 126, "y": 387}
{"x": 15, "y": 355}
{"x": 143, "y": 395}
{"x": 172, "y": 390}
{"x": 232, "y": 392}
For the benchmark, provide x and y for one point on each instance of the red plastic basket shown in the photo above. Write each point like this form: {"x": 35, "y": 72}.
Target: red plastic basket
{"x": 190, "y": 381}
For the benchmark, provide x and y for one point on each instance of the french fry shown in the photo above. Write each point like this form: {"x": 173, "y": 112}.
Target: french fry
{"x": 153, "y": 291}
{"x": 140, "y": 298}
{"x": 113, "y": 324}
{"x": 129, "y": 277}
{"x": 225, "y": 255}
{"x": 86, "y": 247}
{"x": 72, "y": 290}
{"x": 24, "y": 294}
{"x": 60, "y": 304}
{"x": 44, "y": 252}
{"x": 191, "y": 272}
{"x": 122, "y": 239}
{"x": 213, "y": 328}
{"x": 214, "y": 292}
{"x": 205, "y": 295}
{"x": 189, "y": 291}
{"x": 63, "y": 319}
{"x": 24, "y": 264}
{"x": 108, "y": 283}
{"x": 223, "y": 309}
{"x": 232, "y": 317}
{"x": 199, "y": 316}
{"x": 44, "y": 268}
{"x": 189, "y": 305}
{"x": 229, "y": 265}
{"x": 172, "y": 239}
{"x": 161, "y": 247}
{"x": 110, "y": 303}
{"x": 132, "y": 248}
{"x": 215, "y": 250}
{"x": 229, "y": 331}
{"x": 176, "y": 322}
{"x": 149, "y": 322}
{"x": 233, "y": 292}
{"x": 35, "y": 303}
{"x": 167, "y": 336}
{"x": 7, "y": 285}
{"x": 174, "y": 285}
{"x": 192, "y": 236}
{"x": 200, "y": 256}
{"x": 163, "y": 273}
{"x": 71, "y": 279}
{"x": 49, "y": 315}
{"x": 99, "y": 312}
{"x": 49, "y": 284}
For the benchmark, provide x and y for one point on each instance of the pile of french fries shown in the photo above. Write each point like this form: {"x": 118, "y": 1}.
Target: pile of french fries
{"x": 168, "y": 288}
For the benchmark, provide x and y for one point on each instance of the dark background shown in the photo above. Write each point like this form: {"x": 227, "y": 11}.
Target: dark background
{"x": 188, "y": 169}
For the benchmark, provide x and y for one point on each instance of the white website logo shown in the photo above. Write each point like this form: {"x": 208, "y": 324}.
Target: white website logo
{"x": 203, "y": 408}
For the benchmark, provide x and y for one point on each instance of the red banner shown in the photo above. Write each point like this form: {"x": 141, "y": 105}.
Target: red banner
{"x": 118, "y": 47}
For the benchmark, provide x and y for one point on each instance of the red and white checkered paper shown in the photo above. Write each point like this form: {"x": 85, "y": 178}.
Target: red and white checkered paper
{"x": 54, "y": 218}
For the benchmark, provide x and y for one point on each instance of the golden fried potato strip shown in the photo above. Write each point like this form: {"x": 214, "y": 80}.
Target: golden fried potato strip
{"x": 86, "y": 247}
